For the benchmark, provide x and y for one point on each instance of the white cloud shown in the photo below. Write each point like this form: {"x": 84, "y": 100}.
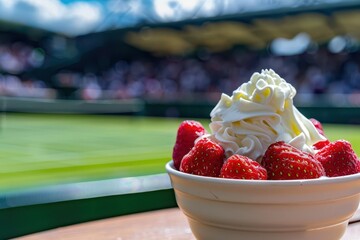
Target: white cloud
{"x": 174, "y": 10}
{"x": 72, "y": 19}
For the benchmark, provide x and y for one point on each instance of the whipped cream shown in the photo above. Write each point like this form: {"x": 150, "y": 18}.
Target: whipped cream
{"x": 259, "y": 113}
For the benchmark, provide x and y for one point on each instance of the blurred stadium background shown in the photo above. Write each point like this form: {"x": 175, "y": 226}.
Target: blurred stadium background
{"x": 94, "y": 91}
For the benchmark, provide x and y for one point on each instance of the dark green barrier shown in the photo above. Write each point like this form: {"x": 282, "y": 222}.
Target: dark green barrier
{"x": 33, "y": 211}
{"x": 29, "y": 105}
{"x": 24, "y": 220}
{"x": 343, "y": 115}
{"x": 324, "y": 109}
{"x": 325, "y": 114}
{"x": 183, "y": 109}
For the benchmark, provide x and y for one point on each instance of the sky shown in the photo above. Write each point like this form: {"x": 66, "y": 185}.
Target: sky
{"x": 77, "y": 17}
{"x": 68, "y": 17}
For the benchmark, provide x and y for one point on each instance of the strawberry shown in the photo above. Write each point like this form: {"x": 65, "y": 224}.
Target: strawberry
{"x": 317, "y": 125}
{"x": 338, "y": 159}
{"x": 242, "y": 167}
{"x": 205, "y": 158}
{"x": 283, "y": 162}
{"x": 188, "y": 132}
{"x": 320, "y": 144}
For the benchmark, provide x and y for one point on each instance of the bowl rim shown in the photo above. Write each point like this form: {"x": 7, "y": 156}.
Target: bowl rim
{"x": 295, "y": 182}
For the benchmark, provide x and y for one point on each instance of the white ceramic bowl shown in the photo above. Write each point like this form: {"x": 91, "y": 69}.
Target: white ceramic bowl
{"x": 273, "y": 210}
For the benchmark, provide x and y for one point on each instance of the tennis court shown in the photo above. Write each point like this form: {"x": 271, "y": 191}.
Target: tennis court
{"x": 43, "y": 149}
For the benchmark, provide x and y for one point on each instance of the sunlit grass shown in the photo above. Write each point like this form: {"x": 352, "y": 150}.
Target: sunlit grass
{"x": 48, "y": 149}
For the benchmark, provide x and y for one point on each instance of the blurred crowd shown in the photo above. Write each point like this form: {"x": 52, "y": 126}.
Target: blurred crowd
{"x": 204, "y": 74}
{"x": 16, "y": 58}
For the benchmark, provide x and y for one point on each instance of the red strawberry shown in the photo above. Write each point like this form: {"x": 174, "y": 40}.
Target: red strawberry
{"x": 338, "y": 159}
{"x": 319, "y": 145}
{"x": 318, "y": 126}
{"x": 241, "y": 167}
{"x": 188, "y": 132}
{"x": 283, "y": 161}
{"x": 205, "y": 158}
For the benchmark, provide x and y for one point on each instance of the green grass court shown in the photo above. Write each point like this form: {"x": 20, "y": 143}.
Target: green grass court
{"x": 47, "y": 149}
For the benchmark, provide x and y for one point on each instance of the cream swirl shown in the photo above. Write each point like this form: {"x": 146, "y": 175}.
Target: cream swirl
{"x": 259, "y": 113}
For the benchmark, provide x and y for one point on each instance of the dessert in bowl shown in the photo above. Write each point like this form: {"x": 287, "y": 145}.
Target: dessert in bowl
{"x": 311, "y": 209}
{"x": 265, "y": 171}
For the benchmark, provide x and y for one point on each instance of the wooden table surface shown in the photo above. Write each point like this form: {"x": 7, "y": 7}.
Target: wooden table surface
{"x": 161, "y": 224}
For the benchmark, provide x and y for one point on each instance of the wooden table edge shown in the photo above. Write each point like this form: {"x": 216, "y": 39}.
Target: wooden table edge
{"x": 164, "y": 224}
